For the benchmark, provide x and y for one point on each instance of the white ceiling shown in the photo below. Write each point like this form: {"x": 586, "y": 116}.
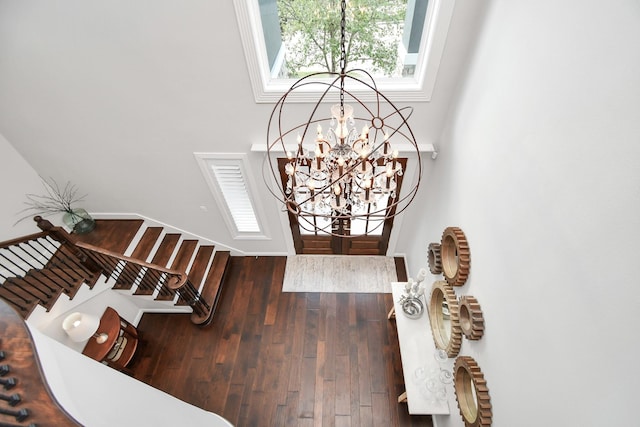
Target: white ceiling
{"x": 117, "y": 96}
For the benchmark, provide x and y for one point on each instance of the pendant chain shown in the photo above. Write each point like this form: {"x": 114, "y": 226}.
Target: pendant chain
{"x": 343, "y": 53}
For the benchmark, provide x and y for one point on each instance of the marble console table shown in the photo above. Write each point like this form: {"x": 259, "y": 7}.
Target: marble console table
{"x": 416, "y": 350}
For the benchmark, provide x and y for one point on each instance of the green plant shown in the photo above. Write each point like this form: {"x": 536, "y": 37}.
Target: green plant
{"x": 56, "y": 200}
{"x": 311, "y": 31}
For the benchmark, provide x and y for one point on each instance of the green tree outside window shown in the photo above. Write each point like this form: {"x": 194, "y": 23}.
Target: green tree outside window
{"x": 311, "y": 31}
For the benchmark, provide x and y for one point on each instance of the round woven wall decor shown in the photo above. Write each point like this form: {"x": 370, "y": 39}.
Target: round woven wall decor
{"x": 435, "y": 259}
{"x": 471, "y": 318}
{"x": 472, "y": 393}
{"x": 444, "y": 321}
{"x": 456, "y": 258}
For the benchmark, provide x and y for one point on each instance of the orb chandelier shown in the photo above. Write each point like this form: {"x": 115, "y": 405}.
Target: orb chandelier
{"x": 346, "y": 166}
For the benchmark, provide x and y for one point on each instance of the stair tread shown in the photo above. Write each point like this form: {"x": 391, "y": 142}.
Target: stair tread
{"x": 184, "y": 255}
{"x": 198, "y": 268}
{"x": 213, "y": 285}
{"x": 70, "y": 280}
{"x": 115, "y": 234}
{"x": 200, "y": 263}
{"x": 165, "y": 250}
{"x": 23, "y": 308}
{"x": 37, "y": 291}
{"x": 161, "y": 257}
{"x": 13, "y": 287}
{"x": 66, "y": 258}
{"x": 69, "y": 267}
{"x": 146, "y": 243}
{"x": 141, "y": 252}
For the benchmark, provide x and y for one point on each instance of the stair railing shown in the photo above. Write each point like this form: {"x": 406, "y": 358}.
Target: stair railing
{"x": 36, "y": 269}
{"x": 21, "y": 258}
{"x": 25, "y": 397}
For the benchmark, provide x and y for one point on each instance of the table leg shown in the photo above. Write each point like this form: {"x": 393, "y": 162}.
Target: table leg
{"x": 392, "y": 313}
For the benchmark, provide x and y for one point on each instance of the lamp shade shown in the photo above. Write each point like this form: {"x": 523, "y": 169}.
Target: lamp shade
{"x": 80, "y": 326}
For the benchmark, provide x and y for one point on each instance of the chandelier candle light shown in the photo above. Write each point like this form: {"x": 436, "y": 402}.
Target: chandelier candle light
{"x": 349, "y": 168}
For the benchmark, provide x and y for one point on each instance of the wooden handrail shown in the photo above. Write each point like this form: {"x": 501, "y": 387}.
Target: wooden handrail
{"x": 175, "y": 281}
{"x": 31, "y": 400}
{"x": 22, "y": 239}
{"x": 35, "y": 269}
{"x": 178, "y": 278}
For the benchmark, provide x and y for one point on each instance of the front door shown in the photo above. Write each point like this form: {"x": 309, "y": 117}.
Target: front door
{"x": 308, "y": 240}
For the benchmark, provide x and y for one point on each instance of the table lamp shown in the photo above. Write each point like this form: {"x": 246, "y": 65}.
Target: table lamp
{"x": 81, "y": 326}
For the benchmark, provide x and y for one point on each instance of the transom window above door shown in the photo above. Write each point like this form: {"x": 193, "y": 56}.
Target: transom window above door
{"x": 400, "y": 42}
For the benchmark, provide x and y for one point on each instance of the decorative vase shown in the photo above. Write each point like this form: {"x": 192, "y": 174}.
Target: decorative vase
{"x": 79, "y": 221}
{"x": 412, "y": 307}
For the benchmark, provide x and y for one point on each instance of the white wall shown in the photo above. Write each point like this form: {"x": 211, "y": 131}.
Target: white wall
{"x": 17, "y": 178}
{"x": 123, "y": 401}
{"x": 117, "y": 96}
{"x": 540, "y": 166}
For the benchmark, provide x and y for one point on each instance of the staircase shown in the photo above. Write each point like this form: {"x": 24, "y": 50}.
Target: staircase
{"x": 146, "y": 261}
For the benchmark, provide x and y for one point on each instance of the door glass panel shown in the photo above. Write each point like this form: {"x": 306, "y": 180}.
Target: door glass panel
{"x": 374, "y": 225}
{"x": 312, "y": 233}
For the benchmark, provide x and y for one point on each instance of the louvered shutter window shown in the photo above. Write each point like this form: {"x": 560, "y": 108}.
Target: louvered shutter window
{"x": 229, "y": 178}
{"x": 236, "y": 196}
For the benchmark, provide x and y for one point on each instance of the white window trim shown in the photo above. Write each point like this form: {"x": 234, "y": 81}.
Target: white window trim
{"x": 420, "y": 89}
{"x": 204, "y": 160}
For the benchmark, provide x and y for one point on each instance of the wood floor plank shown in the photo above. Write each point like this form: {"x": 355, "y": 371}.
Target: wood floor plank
{"x": 318, "y": 408}
{"x": 342, "y": 324}
{"x": 362, "y": 358}
{"x": 293, "y": 400}
{"x": 307, "y": 387}
{"x": 328, "y": 403}
{"x": 310, "y": 346}
{"x": 367, "y": 417}
{"x": 343, "y": 421}
{"x": 250, "y": 367}
{"x": 343, "y": 387}
{"x": 380, "y": 410}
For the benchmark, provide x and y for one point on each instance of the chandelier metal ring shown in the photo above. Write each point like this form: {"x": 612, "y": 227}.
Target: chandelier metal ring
{"x": 333, "y": 170}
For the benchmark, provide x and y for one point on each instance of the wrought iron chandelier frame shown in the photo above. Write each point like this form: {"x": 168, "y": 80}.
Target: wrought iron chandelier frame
{"x": 382, "y": 118}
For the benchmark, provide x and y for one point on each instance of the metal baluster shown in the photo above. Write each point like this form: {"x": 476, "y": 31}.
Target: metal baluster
{"x": 54, "y": 264}
{"x": 9, "y": 383}
{"x": 11, "y": 280}
{"x": 25, "y": 272}
{"x": 13, "y": 400}
{"x": 58, "y": 250}
{"x": 106, "y": 263}
{"x": 25, "y": 290}
{"x": 13, "y": 264}
{"x": 126, "y": 273}
{"x": 35, "y": 267}
{"x": 20, "y": 415}
{"x": 15, "y": 425}
{"x": 143, "y": 281}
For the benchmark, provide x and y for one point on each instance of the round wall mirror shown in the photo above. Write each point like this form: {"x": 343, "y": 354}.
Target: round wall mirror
{"x": 443, "y": 317}
{"x": 434, "y": 258}
{"x": 471, "y": 318}
{"x": 472, "y": 393}
{"x": 455, "y": 256}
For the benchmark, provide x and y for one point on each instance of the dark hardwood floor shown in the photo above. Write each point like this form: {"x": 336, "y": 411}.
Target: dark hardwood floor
{"x": 281, "y": 359}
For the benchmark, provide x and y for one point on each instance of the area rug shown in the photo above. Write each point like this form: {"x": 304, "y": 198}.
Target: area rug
{"x": 339, "y": 273}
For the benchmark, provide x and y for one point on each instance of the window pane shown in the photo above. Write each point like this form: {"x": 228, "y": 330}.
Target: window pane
{"x": 384, "y": 36}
